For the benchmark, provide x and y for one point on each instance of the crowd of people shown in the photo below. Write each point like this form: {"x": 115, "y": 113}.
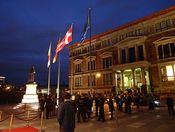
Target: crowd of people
{"x": 47, "y": 104}
{"x": 82, "y": 107}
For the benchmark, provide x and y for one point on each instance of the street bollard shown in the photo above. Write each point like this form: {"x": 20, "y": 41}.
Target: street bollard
{"x": 11, "y": 122}
{"x": 28, "y": 116}
{"x": 41, "y": 125}
{"x": 0, "y": 115}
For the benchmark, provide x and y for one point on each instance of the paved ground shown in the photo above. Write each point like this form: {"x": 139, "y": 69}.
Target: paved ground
{"x": 145, "y": 121}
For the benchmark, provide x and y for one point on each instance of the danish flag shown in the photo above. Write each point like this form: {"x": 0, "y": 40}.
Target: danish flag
{"x": 66, "y": 40}
{"x": 49, "y": 55}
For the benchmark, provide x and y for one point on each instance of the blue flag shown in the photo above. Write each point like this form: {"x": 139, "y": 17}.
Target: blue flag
{"x": 85, "y": 30}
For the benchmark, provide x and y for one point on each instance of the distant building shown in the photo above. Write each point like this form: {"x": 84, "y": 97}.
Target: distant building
{"x": 2, "y": 80}
{"x": 139, "y": 56}
{"x": 53, "y": 89}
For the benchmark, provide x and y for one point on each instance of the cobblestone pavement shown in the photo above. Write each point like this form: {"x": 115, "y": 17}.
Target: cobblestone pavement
{"x": 144, "y": 121}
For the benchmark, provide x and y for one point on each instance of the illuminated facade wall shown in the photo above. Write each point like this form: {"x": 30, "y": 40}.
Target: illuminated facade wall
{"x": 139, "y": 56}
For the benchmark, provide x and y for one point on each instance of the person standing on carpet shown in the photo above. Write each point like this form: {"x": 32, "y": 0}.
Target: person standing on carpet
{"x": 66, "y": 114}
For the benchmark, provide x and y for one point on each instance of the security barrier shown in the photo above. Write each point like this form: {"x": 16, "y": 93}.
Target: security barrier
{"x": 27, "y": 116}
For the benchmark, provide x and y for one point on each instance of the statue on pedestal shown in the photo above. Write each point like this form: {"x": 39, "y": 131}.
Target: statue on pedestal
{"x": 31, "y": 75}
{"x": 30, "y": 98}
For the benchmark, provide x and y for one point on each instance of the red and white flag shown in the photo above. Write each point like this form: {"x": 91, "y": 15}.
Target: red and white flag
{"x": 56, "y": 53}
{"x": 66, "y": 40}
{"x": 68, "y": 37}
{"x": 49, "y": 55}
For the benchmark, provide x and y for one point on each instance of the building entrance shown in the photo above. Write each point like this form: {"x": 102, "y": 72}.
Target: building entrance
{"x": 132, "y": 79}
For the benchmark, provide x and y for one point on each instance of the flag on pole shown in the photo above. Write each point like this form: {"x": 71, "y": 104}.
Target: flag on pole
{"x": 86, "y": 27}
{"x": 66, "y": 40}
{"x": 68, "y": 37}
{"x": 56, "y": 53}
{"x": 49, "y": 55}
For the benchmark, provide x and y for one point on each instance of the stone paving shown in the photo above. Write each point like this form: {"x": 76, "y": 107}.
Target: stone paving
{"x": 145, "y": 121}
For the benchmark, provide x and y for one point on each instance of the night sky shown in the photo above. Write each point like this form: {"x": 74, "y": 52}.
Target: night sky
{"x": 28, "y": 26}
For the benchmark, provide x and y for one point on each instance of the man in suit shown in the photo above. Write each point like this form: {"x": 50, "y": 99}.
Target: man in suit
{"x": 66, "y": 114}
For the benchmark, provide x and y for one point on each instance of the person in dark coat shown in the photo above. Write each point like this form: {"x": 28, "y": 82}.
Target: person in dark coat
{"x": 66, "y": 114}
{"x": 151, "y": 102}
{"x": 42, "y": 105}
{"x": 81, "y": 108}
{"x": 48, "y": 106}
{"x": 96, "y": 105}
{"x": 169, "y": 102}
{"x": 128, "y": 101}
{"x": 101, "y": 102}
{"x": 120, "y": 103}
{"x": 88, "y": 103}
{"x": 111, "y": 106}
{"x": 137, "y": 101}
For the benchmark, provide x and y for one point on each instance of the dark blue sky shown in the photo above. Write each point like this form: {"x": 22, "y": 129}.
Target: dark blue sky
{"x": 28, "y": 26}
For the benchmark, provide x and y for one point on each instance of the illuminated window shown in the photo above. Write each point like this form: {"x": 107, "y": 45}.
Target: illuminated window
{"x": 168, "y": 73}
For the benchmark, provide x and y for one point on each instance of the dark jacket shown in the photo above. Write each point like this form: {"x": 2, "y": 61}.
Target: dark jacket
{"x": 169, "y": 101}
{"x": 66, "y": 116}
{"x": 110, "y": 104}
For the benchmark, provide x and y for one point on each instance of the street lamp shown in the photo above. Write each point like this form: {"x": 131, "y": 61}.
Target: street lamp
{"x": 98, "y": 75}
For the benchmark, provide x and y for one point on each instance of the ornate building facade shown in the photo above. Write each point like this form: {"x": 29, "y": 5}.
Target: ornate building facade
{"x": 139, "y": 55}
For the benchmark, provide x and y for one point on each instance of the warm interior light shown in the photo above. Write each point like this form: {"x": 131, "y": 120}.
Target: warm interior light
{"x": 169, "y": 70}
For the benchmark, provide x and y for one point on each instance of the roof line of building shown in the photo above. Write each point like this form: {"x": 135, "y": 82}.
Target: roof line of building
{"x": 156, "y": 14}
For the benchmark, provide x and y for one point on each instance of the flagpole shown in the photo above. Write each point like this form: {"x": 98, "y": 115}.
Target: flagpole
{"x": 48, "y": 91}
{"x": 49, "y": 67}
{"x": 90, "y": 64}
{"x": 66, "y": 40}
{"x": 71, "y": 89}
{"x": 58, "y": 81}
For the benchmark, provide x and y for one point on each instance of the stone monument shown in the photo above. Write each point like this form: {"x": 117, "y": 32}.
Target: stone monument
{"x": 30, "y": 99}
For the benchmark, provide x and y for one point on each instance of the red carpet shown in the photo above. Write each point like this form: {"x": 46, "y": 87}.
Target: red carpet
{"x": 22, "y": 129}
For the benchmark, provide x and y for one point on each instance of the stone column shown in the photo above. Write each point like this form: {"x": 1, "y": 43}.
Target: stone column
{"x": 133, "y": 76}
{"x": 122, "y": 79}
{"x": 143, "y": 76}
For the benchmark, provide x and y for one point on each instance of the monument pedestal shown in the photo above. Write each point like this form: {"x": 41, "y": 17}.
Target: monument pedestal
{"x": 30, "y": 99}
